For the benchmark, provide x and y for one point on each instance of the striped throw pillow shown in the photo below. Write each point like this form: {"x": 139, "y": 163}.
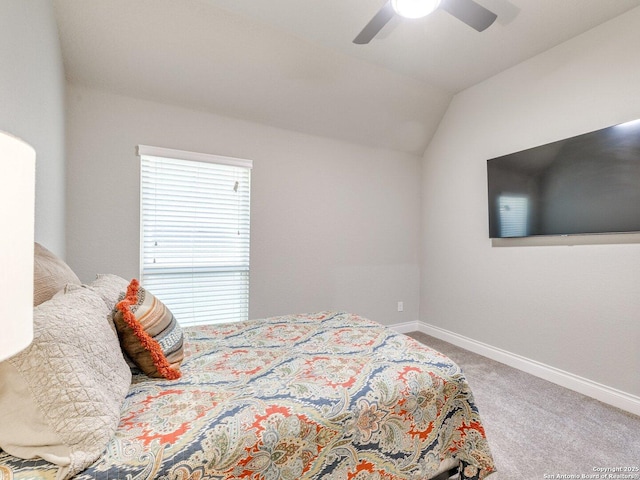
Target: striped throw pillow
{"x": 149, "y": 333}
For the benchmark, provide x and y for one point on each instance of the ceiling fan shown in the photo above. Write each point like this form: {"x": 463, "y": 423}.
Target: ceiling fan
{"x": 467, "y": 11}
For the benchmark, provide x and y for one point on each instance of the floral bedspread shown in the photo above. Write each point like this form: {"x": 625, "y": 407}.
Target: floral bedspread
{"x": 321, "y": 396}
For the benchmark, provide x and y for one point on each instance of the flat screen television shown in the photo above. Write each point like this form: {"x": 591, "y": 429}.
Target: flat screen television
{"x": 588, "y": 184}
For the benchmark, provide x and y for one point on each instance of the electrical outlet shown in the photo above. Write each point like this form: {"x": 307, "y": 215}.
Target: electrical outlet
{"x": 401, "y": 306}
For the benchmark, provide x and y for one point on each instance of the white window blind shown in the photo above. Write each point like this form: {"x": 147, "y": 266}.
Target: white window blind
{"x": 514, "y": 215}
{"x": 195, "y": 211}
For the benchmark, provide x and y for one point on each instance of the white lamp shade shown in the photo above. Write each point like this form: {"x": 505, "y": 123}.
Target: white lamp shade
{"x": 414, "y": 8}
{"x": 17, "y": 205}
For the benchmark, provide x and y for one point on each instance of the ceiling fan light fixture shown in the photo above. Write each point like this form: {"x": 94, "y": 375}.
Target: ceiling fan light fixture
{"x": 414, "y": 8}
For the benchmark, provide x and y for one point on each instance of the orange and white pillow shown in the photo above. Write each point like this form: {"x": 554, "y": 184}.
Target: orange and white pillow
{"x": 149, "y": 333}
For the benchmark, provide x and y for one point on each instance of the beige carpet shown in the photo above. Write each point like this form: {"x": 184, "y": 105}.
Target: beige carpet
{"x": 536, "y": 428}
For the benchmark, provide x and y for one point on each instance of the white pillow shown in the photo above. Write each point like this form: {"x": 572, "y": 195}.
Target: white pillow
{"x": 60, "y": 398}
{"x": 111, "y": 288}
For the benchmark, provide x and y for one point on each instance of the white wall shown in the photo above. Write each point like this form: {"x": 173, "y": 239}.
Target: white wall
{"x": 32, "y": 105}
{"x": 334, "y": 224}
{"x": 575, "y": 308}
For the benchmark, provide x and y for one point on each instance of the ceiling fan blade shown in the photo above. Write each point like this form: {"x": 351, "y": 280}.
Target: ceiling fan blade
{"x": 469, "y": 12}
{"x": 378, "y": 21}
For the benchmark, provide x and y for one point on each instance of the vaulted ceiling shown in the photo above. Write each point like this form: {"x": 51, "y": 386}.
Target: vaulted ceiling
{"x": 292, "y": 63}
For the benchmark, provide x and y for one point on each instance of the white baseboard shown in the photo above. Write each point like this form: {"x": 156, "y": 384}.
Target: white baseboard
{"x": 604, "y": 393}
{"x": 406, "y": 327}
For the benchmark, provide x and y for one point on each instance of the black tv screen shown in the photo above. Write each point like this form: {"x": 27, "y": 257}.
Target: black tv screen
{"x": 581, "y": 185}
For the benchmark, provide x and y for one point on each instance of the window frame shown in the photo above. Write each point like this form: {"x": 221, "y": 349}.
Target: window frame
{"x": 182, "y": 155}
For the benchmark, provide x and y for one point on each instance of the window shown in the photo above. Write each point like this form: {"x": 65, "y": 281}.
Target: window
{"x": 195, "y": 233}
{"x": 514, "y": 215}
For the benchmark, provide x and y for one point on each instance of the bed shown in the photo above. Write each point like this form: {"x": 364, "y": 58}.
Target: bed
{"x": 329, "y": 395}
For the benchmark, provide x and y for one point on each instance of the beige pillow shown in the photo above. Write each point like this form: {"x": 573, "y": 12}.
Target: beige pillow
{"x": 50, "y": 275}
{"x": 60, "y": 398}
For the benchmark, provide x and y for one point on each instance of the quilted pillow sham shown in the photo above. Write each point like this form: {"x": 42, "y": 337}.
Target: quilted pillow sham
{"x": 111, "y": 288}
{"x": 60, "y": 398}
{"x": 149, "y": 333}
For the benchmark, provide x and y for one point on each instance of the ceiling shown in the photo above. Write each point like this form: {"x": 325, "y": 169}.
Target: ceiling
{"x": 292, "y": 64}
